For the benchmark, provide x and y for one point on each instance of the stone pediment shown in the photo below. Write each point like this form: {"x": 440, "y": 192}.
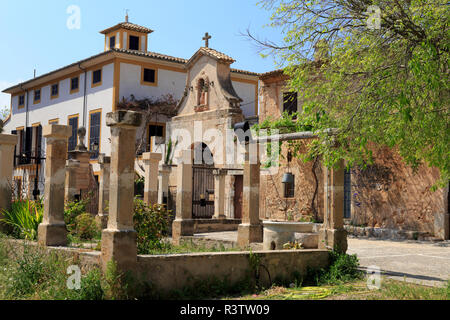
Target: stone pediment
{"x": 208, "y": 85}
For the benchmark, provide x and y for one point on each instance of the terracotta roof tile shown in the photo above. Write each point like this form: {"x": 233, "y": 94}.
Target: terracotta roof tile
{"x": 127, "y": 26}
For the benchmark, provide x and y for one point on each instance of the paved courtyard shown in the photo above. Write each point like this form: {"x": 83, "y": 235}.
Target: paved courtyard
{"x": 420, "y": 262}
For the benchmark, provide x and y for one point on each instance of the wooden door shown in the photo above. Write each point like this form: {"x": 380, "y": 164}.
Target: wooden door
{"x": 238, "y": 191}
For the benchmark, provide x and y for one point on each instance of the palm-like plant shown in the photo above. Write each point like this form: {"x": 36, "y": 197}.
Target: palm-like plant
{"x": 24, "y": 217}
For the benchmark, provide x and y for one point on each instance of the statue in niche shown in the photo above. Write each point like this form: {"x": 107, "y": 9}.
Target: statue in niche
{"x": 203, "y": 89}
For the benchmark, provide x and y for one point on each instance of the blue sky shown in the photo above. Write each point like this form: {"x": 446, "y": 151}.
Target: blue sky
{"x": 35, "y": 33}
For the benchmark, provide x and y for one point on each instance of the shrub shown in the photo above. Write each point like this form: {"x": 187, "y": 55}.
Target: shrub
{"x": 343, "y": 268}
{"x": 72, "y": 210}
{"x": 86, "y": 227}
{"x": 151, "y": 224}
{"x": 24, "y": 218}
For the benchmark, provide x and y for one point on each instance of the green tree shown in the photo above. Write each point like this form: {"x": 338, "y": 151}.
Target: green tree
{"x": 377, "y": 84}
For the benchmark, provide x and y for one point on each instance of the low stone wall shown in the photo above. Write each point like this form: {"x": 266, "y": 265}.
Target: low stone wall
{"x": 215, "y": 225}
{"x": 387, "y": 234}
{"x": 174, "y": 272}
{"x": 82, "y": 257}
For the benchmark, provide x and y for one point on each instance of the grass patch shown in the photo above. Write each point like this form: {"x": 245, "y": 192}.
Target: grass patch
{"x": 188, "y": 246}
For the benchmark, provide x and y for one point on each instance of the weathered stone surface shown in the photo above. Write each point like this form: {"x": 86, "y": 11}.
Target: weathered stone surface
{"x": 119, "y": 246}
{"x": 232, "y": 266}
{"x": 119, "y": 239}
{"x": 7, "y": 143}
{"x": 219, "y": 194}
{"x": 248, "y": 234}
{"x": 163, "y": 182}
{"x": 180, "y": 228}
{"x": 276, "y": 234}
{"x": 308, "y": 240}
{"x": 54, "y": 235}
{"x": 52, "y": 231}
{"x": 124, "y": 119}
{"x": 71, "y": 180}
{"x": 103, "y": 192}
{"x": 387, "y": 195}
{"x": 151, "y": 163}
{"x": 333, "y": 239}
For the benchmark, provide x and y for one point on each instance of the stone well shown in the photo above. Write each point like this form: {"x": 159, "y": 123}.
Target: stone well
{"x": 276, "y": 234}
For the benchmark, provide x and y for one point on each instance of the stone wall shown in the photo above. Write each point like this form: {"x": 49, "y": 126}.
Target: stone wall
{"x": 387, "y": 194}
{"x": 185, "y": 269}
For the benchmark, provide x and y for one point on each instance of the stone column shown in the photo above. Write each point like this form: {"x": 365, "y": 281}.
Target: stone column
{"x": 163, "y": 181}
{"x": 219, "y": 194}
{"x": 251, "y": 230}
{"x": 103, "y": 191}
{"x": 71, "y": 180}
{"x": 332, "y": 235}
{"x": 7, "y": 143}
{"x": 183, "y": 225}
{"x": 151, "y": 163}
{"x": 119, "y": 239}
{"x": 52, "y": 231}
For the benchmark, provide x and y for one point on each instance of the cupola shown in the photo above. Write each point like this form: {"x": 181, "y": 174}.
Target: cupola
{"x": 127, "y": 36}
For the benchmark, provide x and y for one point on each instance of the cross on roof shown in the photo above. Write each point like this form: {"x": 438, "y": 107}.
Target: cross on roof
{"x": 206, "y": 38}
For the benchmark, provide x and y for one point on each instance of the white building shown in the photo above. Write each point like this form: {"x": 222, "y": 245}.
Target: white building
{"x": 82, "y": 93}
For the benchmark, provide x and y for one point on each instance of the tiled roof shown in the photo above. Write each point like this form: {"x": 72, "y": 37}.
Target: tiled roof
{"x": 216, "y": 54}
{"x": 153, "y": 55}
{"x": 272, "y": 73}
{"x": 127, "y": 26}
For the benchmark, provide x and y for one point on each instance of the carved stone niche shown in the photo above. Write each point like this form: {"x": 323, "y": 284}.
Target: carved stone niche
{"x": 202, "y": 89}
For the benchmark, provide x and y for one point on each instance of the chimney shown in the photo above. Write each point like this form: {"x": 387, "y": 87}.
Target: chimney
{"x": 126, "y": 16}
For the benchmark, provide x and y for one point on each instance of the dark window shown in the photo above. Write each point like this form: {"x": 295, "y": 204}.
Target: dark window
{"x": 347, "y": 194}
{"x": 156, "y": 131}
{"x": 112, "y": 42}
{"x": 149, "y": 75}
{"x": 289, "y": 189}
{"x": 21, "y": 100}
{"x": 97, "y": 76}
{"x": 94, "y": 134}
{"x": 38, "y": 143}
{"x": 37, "y": 95}
{"x": 73, "y": 122}
{"x": 74, "y": 83}
{"x": 55, "y": 89}
{"x": 290, "y": 102}
{"x": 134, "y": 43}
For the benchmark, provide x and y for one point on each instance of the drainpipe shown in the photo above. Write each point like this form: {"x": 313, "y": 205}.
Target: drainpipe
{"x": 84, "y": 95}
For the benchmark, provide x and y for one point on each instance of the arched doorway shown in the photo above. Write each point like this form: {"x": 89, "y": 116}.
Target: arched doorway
{"x": 203, "y": 182}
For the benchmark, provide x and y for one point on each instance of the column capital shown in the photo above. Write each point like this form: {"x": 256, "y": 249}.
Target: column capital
{"x": 130, "y": 119}
{"x": 71, "y": 163}
{"x": 103, "y": 159}
{"x": 8, "y": 139}
{"x": 219, "y": 172}
{"x": 152, "y": 156}
{"x": 56, "y": 131}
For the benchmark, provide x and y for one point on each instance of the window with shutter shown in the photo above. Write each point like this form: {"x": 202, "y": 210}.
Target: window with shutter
{"x": 94, "y": 134}
{"x": 73, "y": 123}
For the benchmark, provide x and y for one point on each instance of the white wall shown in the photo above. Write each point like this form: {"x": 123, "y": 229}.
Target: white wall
{"x": 169, "y": 82}
{"x": 246, "y": 92}
{"x": 69, "y": 104}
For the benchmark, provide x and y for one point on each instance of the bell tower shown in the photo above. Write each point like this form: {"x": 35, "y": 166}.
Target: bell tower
{"x": 127, "y": 36}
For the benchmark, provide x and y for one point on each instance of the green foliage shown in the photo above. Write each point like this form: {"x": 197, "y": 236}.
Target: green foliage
{"x": 151, "y": 224}
{"x": 71, "y": 211}
{"x": 385, "y": 87}
{"x": 24, "y": 218}
{"x": 171, "y": 146}
{"x": 86, "y": 227}
{"x": 343, "y": 268}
